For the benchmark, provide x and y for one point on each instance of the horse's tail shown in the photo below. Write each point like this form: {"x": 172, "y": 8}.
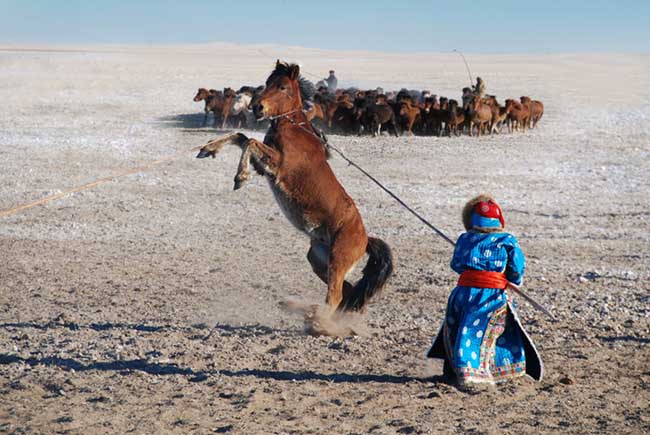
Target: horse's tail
{"x": 375, "y": 275}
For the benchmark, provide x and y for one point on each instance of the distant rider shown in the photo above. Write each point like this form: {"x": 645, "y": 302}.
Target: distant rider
{"x": 332, "y": 82}
{"x": 479, "y": 87}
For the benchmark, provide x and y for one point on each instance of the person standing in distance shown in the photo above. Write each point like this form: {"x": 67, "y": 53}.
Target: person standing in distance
{"x": 332, "y": 82}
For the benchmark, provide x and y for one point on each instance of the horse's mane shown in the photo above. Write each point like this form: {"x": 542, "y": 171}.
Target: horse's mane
{"x": 307, "y": 88}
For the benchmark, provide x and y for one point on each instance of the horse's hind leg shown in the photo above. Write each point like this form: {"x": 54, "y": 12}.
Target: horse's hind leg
{"x": 347, "y": 249}
{"x": 319, "y": 257}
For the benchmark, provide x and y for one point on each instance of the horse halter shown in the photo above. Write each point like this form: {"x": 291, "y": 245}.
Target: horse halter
{"x": 283, "y": 115}
{"x": 320, "y": 136}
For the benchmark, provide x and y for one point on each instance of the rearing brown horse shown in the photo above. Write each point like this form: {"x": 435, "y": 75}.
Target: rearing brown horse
{"x": 293, "y": 159}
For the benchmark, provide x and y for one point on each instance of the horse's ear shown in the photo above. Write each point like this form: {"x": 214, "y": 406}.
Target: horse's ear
{"x": 278, "y": 64}
{"x": 294, "y": 72}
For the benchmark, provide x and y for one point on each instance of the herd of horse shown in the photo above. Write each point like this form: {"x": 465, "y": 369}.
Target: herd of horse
{"x": 371, "y": 112}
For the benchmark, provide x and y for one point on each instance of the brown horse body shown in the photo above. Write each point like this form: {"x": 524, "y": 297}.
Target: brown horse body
{"x": 456, "y": 118}
{"x": 409, "y": 114}
{"x": 293, "y": 159}
{"x": 229, "y": 96}
{"x": 518, "y": 115}
{"x": 499, "y": 113}
{"x": 213, "y": 103}
{"x": 536, "y": 109}
{"x": 480, "y": 114}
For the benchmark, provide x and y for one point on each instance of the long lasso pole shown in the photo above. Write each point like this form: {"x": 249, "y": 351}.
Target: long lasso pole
{"x": 469, "y": 73}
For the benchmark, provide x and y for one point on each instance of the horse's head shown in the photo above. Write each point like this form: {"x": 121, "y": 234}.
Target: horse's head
{"x": 282, "y": 92}
{"x": 475, "y": 103}
{"x": 404, "y": 108}
{"x": 428, "y": 104}
{"x": 201, "y": 94}
{"x": 343, "y": 99}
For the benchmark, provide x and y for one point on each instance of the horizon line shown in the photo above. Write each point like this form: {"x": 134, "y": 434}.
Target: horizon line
{"x": 107, "y": 47}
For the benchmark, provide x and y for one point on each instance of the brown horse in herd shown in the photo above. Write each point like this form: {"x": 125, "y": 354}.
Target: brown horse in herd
{"x": 293, "y": 159}
{"x": 535, "y": 108}
{"x": 518, "y": 115}
{"x": 213, "y": 103}
{"x": 410, "y": 113}
{"x": 480, "y": 114}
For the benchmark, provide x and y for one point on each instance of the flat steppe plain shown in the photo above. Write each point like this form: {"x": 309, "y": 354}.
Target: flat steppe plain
{"x": 151, "y": 304}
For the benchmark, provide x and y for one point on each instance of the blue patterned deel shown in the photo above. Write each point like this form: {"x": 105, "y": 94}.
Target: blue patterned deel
{"x": 492, "y": 252}
{"x": 481, "y": 337}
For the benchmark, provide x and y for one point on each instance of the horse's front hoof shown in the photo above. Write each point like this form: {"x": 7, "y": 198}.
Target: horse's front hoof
{"x": 239, "y": 183}
{"x": 240, "y": 180}
{"x": 203, "y": 153}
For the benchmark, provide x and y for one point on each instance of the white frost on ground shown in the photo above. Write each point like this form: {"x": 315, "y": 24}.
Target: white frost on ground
{"x": 175, "y": 246}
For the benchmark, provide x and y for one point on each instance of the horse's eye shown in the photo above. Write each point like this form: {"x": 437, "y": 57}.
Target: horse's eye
{"x": 283, "y": 88}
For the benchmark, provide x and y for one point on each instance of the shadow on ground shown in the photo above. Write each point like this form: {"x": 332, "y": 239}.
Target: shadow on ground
{"x": 157, "y": 368}
{"x": 142, "y": 365}
{"x": 186, "y": 120}
{"x": 249, "y": 330}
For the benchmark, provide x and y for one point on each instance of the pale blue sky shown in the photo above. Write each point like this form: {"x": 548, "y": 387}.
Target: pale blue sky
{"x": 418, "y": 25}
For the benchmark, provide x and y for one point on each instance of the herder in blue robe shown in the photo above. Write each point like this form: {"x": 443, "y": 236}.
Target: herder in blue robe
{"x": 481, "y": 339}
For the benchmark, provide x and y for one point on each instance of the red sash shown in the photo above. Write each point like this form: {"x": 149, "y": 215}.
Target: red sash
{"x": 482, "y": 279}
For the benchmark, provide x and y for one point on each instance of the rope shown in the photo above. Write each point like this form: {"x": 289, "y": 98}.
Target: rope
{"x": 16, "y": 209}
{"x": 395, "y": 197}
{"x": 282, "y": 115}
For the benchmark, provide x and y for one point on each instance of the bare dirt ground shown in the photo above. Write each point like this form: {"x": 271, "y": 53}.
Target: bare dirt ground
{"x": 151, "y": 304}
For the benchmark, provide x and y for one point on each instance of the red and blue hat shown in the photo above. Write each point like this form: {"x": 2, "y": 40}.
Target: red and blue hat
{"x": 487, "y": 214}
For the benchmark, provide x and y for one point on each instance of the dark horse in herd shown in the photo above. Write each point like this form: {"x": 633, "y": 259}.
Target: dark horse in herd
{"x": 293, "y": 159}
